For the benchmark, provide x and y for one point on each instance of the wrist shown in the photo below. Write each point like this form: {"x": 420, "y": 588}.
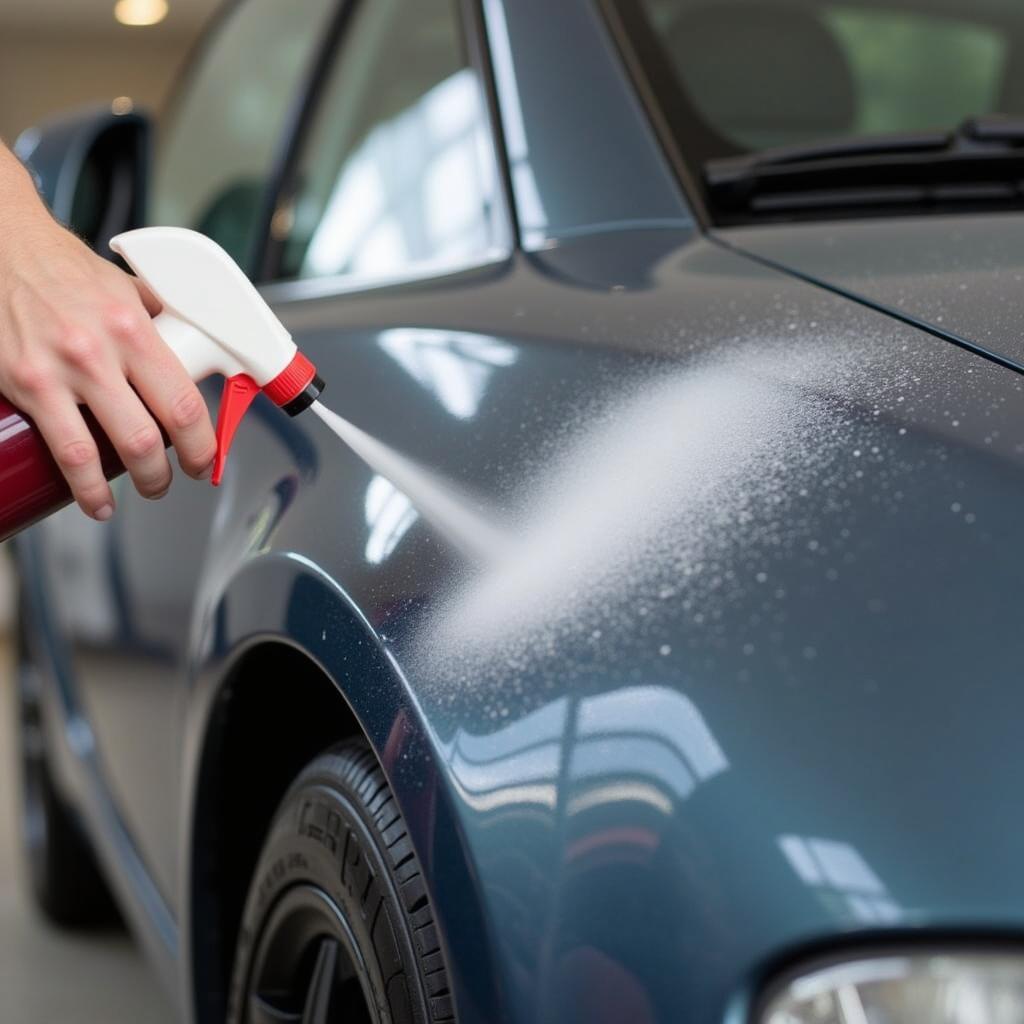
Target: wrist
{"x": 15, "y": 179}
{"x": 21, "y": 207}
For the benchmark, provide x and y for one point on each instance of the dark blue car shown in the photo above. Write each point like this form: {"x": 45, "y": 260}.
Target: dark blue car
{"x": 656, "y": 653}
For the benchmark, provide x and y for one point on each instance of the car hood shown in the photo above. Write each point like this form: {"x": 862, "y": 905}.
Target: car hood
{"x": 959, "y": 276}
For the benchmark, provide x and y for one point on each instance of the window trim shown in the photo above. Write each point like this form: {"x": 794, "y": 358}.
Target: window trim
{"x": 639, "y": 74}
{"x": 426, "y": 273}
{"x": 474, "y": 46}
{"x": 478, "y": 49}
{"x": 267, "y": 254}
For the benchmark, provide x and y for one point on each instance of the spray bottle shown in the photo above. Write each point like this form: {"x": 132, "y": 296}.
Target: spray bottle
{"x": 215, "y": 321}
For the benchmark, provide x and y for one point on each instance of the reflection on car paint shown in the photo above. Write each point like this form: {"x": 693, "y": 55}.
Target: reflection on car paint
{"x": 652, "y": 734}
{"x": 841, "y": 879}
{"x": 389, "y": 514}
{"x": 452, "y": 512}
{"x": 456, "y": 366}
{"x": 533, "y": 220}
{"x": 640, "y": 744}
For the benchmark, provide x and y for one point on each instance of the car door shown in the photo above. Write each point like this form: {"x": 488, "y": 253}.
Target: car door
{"x": 124, "y": 590}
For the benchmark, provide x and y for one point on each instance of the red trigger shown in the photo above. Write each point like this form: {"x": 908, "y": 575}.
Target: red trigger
{"x": 235, "y": 398}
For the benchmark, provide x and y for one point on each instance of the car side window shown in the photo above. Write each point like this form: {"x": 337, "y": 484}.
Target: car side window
{"x": 398, "y": 171}
{"x": 216, "y": 151}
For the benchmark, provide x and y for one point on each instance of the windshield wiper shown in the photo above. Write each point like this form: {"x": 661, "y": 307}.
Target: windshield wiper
{"x": 980, "y": 163}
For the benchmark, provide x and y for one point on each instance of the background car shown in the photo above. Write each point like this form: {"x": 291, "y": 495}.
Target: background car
{"x": 678, "y": 678}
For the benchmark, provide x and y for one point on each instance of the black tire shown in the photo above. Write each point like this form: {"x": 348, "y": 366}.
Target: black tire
{"x": 338, "y": 916}
{"x": 63, "y": 875}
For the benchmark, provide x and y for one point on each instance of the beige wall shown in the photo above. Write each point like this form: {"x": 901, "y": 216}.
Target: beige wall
{"x": 41, "y": 74}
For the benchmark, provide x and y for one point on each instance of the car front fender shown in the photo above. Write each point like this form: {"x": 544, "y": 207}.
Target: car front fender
{"x": 281, "y": 599}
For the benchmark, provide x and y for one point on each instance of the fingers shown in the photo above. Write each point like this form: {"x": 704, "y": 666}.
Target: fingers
{"x": 134, "y": 433}
{"x": 74, "y": 330}
{"x": 68, "y": 438}
{"x": 161, "y": 381}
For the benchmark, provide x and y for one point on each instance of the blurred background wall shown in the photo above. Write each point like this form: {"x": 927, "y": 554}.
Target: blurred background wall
{"x": 59, "y": 54}
{"x": 56, "y": 55}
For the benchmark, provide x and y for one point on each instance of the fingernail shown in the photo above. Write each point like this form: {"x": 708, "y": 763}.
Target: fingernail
{"x": 104, "y": 512}
{"x": 205, "y": 474}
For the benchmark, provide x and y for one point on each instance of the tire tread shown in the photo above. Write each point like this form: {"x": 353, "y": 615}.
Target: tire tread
{"x": 367, "y": 782}
{"x": 351, "y": 771}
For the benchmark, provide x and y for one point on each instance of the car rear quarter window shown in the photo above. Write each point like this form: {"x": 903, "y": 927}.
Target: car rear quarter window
{"x": 219, "y": 143}
{"x": 397, "y": 173}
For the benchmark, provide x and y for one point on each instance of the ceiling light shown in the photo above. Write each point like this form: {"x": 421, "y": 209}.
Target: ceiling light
{"x": 140, "y": 12}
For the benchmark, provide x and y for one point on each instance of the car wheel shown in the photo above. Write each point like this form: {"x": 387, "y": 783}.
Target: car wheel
{"x": 338, "y": 925}
{"x": 65, "y": 880}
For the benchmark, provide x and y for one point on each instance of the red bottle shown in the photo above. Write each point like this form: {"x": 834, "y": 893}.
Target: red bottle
{"x": 31, "y": 485}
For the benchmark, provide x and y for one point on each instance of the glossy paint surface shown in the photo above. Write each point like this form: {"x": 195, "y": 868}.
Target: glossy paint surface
{"x": 959, "y": 275}
{"x": 741, "y": 675}
{"x": 718, "y": 694}
{"x": 734, "y": 675}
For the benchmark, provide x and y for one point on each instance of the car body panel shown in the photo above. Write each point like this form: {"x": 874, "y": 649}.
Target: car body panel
{"x": 808, "y": 782}
{"x": 714, "y": 695}
{"x": 688, "y": 642}
{"x": 958, "y": 275}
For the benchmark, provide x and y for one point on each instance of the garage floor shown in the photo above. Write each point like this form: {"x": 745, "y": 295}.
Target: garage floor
{"x": 50, "y": 977}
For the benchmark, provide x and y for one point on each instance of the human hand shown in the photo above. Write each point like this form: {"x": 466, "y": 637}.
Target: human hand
{"x": 76, "y": 330}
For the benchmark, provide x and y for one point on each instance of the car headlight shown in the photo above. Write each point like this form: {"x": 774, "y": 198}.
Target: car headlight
{"x": 975, "y": 988}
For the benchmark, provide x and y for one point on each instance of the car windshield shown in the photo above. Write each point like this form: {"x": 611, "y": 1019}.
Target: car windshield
{"x": 739, "y": 77}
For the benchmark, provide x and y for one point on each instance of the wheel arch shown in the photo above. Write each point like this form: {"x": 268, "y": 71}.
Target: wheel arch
{"x": 283, "y": 657}
{"x": 287, "y": 664}
{"x": 255, "y": 745}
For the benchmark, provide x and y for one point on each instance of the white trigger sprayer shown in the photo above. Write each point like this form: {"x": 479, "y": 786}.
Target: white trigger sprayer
{"x": 215, "y": 321}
